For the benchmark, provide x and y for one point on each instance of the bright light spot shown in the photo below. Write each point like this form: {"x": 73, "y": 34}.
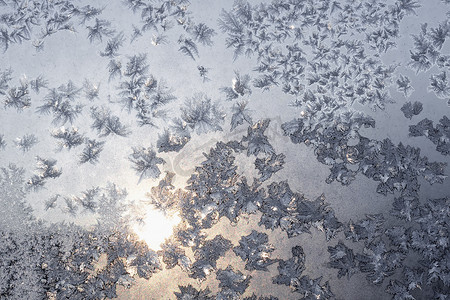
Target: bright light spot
{"x": 156, "y": 228}
{"x": 233, "y": 83}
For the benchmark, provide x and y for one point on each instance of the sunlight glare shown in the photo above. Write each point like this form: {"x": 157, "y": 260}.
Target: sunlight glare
{"x": 156, "y": 228}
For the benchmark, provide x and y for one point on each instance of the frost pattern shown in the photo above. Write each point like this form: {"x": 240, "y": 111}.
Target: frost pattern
{"x": 326, "y": 58}
{"x": 255, "y": 250}
{"x": 145, "y": 162}
{"x": 438, "y": 135}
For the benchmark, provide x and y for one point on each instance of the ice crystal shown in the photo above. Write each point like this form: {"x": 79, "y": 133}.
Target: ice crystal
{"x": 294, "y": 214}
{"x": 142, "y": 92}
{"x": 439, "y": 134}
{"x": 313, "y": 289}
{"x": 162, "y": 197}
{"x": 366, "y": 229}
{"x": 136, "y": 66}
{"x": 399, "y": 237}
{"x": 439, "y": 85}
{"x": 67, "y": 138}
{"x": 203, "y": 72}
{"x": 201, "y": 115}
{"x": 343, "y": 259}
{"x": 404, "y": 85}
{"x": 70, "y": 208}
{"x": 203, "y": 34}
{"x": 239, "y": 87}
{"x": 91, "y": 151}
{"x": 168, "y": 141}
{"x": 145, "y": 162}
{"x": 88, "y": 199}
{"x": 406, "y": 207}
{"x": 256, "y": 140}
{"x": 255, "y": 250}
{"x": 188, "y": 47}
{"x": 59, "y": 102}
{"x": 270, "y": 165}
{"x": 398, "y": 290}
{"x": 206, "y": 257}
{"x": 46, "y": 168}
{"x": 173, "y": 255}
{"x": 91, "y": 90}
{"x": 189, "y": 292}
{"x": 289, "y": 271}
{"x": 100, "y": 29}
{"x": 159, "y": 39}
{"x": 378, "y": 262}
{"x": 113, "y": 45}
{"x": 240, "y": 114}
{"x": 26, "y": 142}
{"x": 146, "y": 262}
{"x": 411, "y": 109}
{"x": 414, "y": 278}
{"x": 41, "y": 21}
{"x": 51, "y": 202}
{"x": 105, "y": 123}
{"x": 38, "y": 83}
{"x": 232, "y": 283}
{"x": 439, "y": 34}
{"x": 114, "y": 69}
{"x": 432, "y": 239}
{"x": 18, "y": 97}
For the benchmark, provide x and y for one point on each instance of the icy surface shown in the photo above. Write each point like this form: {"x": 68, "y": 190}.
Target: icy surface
{"x": 262, "y": 149}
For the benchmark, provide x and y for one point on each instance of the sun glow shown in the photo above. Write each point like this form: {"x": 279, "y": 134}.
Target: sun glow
{"x": 156, "y": 227}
